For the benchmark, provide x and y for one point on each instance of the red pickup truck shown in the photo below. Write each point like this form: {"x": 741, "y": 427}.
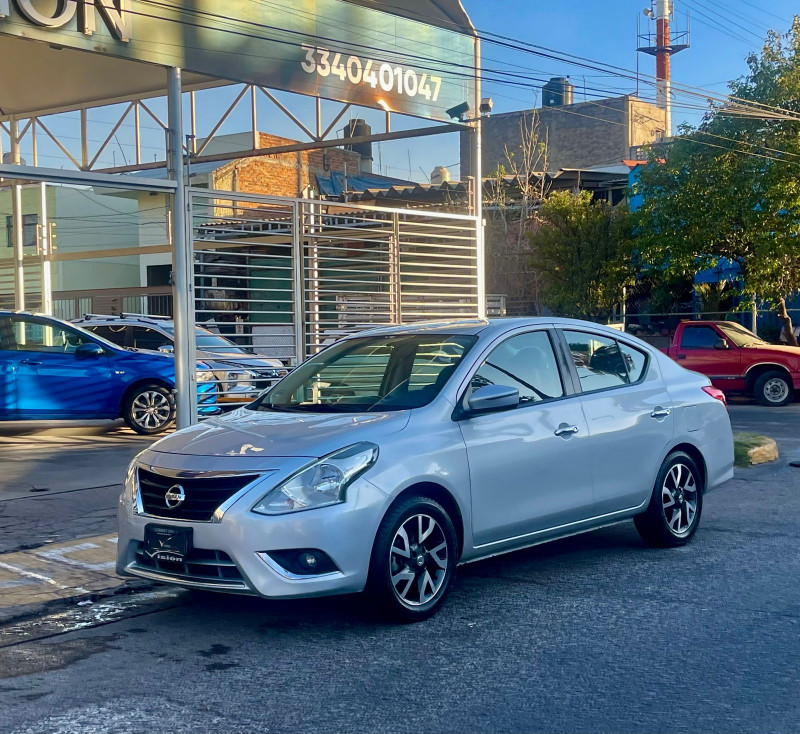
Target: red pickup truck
{"x": 737, "y": 361}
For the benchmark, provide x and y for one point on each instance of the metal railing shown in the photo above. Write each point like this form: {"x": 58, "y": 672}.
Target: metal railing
{"x": 282, "y": 278}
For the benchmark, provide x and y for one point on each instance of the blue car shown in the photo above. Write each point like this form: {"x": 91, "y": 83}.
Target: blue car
{"x": 50, "y": 369}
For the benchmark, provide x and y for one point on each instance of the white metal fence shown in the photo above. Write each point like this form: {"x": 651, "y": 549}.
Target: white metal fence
{"x": 282, "y": 278}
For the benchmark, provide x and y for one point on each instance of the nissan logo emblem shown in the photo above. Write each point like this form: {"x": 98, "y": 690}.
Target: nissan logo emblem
{"x": 174, "y": 496}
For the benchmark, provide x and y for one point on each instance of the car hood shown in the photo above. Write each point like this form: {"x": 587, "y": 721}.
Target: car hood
{"x": 240, "y": 360}
{"x": 259, "y": 434}
{"x": 776, "y": 349}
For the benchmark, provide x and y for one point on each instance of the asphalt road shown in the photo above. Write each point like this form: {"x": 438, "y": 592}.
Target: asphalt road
{"x": 594, "y": 633}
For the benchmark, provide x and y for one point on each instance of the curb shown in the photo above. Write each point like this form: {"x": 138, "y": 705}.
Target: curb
{"x": 750, "y": 449}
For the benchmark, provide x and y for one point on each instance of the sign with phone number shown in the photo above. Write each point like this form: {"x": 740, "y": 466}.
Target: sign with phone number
{"x": 329, "y": 48}
{"x": 387, "y": 77}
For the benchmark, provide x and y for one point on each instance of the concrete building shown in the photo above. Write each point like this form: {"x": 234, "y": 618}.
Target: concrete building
{"x": 579, "y": 136}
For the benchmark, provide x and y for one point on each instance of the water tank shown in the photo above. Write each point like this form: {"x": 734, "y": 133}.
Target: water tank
{"x": 557, "y": 92}
{"x": 440, "y": 174}
{"x": 357, "y": 128}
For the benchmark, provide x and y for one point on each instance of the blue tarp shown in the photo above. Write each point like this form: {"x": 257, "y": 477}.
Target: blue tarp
{"x": 332, "y": 184}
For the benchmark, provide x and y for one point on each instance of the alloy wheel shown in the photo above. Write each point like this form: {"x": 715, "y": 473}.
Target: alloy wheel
{"x": 776, "y": 390}
{"x": 418, "y": 560}
{"x": 151, "y": 409}
{"x": 679, "y": 499}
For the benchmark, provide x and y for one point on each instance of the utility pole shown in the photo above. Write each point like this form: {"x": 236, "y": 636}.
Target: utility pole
{"x": 663, "y": 53}
{"x": 663, "y": 46}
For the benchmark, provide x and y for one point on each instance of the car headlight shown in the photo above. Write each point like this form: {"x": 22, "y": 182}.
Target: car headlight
{"x": 322, "y": 483}
{"x": 273, "y": 373}
{"x": 240, "y": 379}
{"x": 204, "y": 373}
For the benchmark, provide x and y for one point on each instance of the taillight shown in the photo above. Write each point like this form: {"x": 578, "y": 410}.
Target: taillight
{"x": 716, "y": 393}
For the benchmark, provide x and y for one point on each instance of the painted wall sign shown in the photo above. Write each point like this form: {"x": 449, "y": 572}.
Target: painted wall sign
{"x": 327, "y": 48}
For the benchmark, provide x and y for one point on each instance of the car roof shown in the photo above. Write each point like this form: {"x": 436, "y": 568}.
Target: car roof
{"x": 486, "y": 327}
{"x": 124, "y": 318}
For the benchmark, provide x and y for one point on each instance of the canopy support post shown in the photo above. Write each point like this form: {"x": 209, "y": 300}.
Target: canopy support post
{"x": 182, "y": 263}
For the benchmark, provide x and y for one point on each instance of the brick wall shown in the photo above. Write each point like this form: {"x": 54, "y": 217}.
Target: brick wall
{"x": 284, "y": 174}
{"x": 579, "y": 136}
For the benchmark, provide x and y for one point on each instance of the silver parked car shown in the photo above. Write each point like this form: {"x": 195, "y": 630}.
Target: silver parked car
{"x": 392, "y": 456}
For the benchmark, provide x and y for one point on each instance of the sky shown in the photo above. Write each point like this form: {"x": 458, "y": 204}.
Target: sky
{"x": 722, "y": 35}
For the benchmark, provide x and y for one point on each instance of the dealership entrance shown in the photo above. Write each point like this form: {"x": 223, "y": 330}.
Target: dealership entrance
{"x": 281, "y": 276}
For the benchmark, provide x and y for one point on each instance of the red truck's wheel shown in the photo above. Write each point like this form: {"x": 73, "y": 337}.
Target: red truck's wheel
{"x": 773, "y": 389}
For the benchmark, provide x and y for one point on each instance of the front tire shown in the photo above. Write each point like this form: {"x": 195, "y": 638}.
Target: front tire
{"x": 413, "y": 560}
{"x": 149, "y": 409}
{"x": 672, "y": 517}
{"x": 773, "y": 389}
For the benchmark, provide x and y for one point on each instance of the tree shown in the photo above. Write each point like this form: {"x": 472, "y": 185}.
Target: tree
{"x": 583, "y": 249}
{"x": 511, "y": 195}
{"x": 728, "y": 189}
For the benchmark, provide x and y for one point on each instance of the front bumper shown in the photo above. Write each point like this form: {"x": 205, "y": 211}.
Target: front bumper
{"x": 345, "y": 532}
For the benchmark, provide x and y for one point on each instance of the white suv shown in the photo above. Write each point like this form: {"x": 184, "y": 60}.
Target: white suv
{"x": 241, "y": 374}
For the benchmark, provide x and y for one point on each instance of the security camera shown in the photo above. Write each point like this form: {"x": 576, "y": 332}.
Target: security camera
{"x": 486, "y": 106}
{"x": 459, "y": 112}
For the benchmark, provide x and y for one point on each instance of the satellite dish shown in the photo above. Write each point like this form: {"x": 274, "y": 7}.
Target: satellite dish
{"x": 648, "y": 13}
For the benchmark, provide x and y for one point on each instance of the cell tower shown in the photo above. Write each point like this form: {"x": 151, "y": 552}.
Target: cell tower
{"x": 662, "y": 44}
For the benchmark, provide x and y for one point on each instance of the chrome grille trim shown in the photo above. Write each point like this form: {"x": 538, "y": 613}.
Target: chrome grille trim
{"x": 219, "y": 512}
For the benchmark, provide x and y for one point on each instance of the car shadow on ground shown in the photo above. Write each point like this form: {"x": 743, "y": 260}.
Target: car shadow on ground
{"x": 538, "y": 565}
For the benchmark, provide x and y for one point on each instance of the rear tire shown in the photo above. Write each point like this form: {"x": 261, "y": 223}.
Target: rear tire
{"x": 672, "y": 517}
{"x": 413, "y": 560}
{"x": 773, "y": 389}
{"x": 149, "y": 409}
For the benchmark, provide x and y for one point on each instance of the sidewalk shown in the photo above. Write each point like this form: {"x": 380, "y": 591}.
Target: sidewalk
{"x": 58, "y": 497}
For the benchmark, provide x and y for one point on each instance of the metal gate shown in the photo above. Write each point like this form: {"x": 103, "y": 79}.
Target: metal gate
{"x": 282, "y": 278}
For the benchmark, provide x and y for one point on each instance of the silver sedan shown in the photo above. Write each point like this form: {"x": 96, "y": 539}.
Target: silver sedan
{"x": 392, "y": 456}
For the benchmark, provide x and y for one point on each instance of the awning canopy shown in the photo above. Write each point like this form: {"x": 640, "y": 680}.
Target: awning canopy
{"x": 55, "y": 69}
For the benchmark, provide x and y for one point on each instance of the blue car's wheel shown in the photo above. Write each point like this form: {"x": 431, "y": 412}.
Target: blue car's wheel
{"x": 149, "y": 409}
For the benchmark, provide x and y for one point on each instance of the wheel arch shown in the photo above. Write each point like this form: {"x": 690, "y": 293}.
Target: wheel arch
{"x": 755, "y": 371}
{"x": 698, "y": 458}
{"x": 443, "y": 496}
{"x": 160, "y": 381}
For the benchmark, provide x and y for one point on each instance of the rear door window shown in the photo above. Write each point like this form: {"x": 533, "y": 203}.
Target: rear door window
{"x": 115, "y": 334}
{"x": 144, "y": 338}
{"x": 598, "y": 360}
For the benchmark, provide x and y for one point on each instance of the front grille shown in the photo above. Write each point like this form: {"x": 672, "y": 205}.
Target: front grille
{"x": 202, "y": 566}
{"x": 203, "y": 494}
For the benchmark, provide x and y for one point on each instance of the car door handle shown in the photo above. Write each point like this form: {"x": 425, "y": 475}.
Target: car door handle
{"x": 30, "y": 361}
{"x": 681, "y": 356}
{"x": 565, "y": 430}
{"x": 660, "y": 413}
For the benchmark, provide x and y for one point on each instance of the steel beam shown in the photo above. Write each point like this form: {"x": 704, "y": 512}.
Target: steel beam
{"x": 84, "y": 178}
{"x": 419, "y": 132}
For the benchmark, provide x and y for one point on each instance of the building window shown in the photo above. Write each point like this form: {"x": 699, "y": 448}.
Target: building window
{"x": 29, "y": 224}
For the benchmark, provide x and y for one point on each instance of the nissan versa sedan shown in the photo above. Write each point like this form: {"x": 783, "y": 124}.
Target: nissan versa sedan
{"x": 392, "y": 456}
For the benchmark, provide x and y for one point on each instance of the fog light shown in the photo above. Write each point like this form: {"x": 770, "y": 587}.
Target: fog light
{"x": 301, "y": 561}
{"x": 309, "y": 560}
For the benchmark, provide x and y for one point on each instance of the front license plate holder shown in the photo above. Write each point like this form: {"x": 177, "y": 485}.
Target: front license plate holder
{"x": 167, "y": 542}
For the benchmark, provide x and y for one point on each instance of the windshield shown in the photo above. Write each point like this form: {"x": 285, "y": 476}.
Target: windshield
{"x": 394, "y": 372}
{"x": 208, "y": 340}
{"x": 740, "y": 336}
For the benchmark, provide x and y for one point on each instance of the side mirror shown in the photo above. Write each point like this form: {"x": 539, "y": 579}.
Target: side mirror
{"x": 167, "y": 349}
{"x": 90, "y": 350}
{"x": 721, "y": 344}
{"x": 493, "y": 397}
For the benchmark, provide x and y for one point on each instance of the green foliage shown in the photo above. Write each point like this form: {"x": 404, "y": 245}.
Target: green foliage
{"x": 730, "y": 188}
{"x": 583, "y": 248}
